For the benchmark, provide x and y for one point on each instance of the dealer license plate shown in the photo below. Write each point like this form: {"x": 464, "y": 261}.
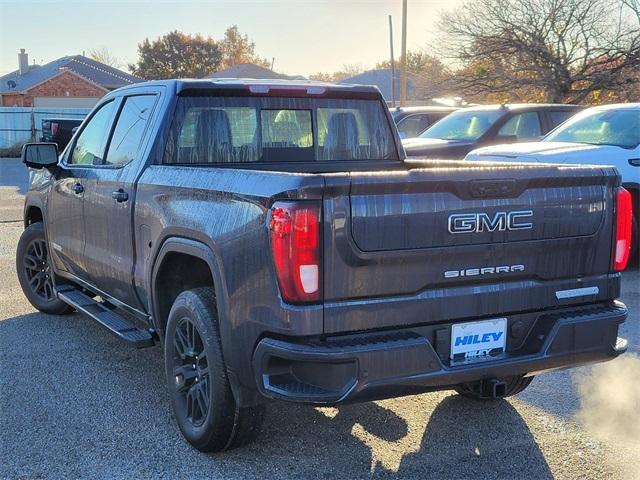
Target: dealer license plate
{"x": 476, "y": 340}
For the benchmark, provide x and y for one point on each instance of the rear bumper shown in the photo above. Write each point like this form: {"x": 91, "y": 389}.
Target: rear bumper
{"x": 388, "y": 364}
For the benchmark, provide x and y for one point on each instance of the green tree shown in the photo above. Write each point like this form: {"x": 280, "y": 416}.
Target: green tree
{"x": 177, "y": 55}
{"x": 238, "y": 48}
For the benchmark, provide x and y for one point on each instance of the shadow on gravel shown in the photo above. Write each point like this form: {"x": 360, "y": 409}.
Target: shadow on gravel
{"x": 467, "y": 438}
{"x": 76, "y": 402}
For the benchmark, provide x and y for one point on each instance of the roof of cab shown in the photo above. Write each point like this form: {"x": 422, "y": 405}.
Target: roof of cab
{"x": 262, "y": 87}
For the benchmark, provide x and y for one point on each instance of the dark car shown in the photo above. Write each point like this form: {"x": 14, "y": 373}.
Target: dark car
{"x": 412, "y": 121}
{"x": 59, "y": 130}
{"x": 462, "y": 131}
{"x": 273, "y": 239}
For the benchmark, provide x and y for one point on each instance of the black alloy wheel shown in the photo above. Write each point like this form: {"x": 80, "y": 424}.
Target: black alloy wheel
{"x": 203, "y": 403}
{"x": 38, "y": 272}
{"x": 35, "y": 273}
{"x": 191, "y": 372}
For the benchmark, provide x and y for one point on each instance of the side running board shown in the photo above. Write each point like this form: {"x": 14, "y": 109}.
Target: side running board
{"x": 116, "y": 324}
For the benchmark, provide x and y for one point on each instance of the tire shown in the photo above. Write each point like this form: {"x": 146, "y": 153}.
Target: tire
{"x": 34, "y": 271}
{"x": 514, "y": 386}
{"x": 203, "y": 403}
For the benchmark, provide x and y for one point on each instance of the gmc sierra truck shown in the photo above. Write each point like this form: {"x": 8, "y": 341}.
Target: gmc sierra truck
{"x": 275, "y": 241}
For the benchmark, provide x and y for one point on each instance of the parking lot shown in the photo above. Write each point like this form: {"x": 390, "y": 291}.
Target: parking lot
{"x": 75, "y": 402}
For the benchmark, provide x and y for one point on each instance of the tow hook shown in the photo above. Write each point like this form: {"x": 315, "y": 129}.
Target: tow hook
{"x": 493, "y": 388}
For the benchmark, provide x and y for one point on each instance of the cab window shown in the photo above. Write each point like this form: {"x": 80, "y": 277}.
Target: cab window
{"x": 130, "y": 127}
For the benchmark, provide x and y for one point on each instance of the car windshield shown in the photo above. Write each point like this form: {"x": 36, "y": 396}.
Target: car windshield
{"x": 463, "y": 125}
{"x": 620, "y": 128}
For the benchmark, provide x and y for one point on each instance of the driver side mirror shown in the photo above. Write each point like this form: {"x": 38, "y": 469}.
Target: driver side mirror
{"x": 40, "y": 155}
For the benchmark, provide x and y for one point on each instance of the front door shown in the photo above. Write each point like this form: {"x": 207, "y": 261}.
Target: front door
{"x": 66, "y": 208}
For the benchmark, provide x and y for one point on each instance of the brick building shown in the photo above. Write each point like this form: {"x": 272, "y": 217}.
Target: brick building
{"x": 68, "y": 82}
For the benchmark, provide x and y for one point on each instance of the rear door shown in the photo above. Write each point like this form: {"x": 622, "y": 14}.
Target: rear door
{"x": 109, "y": 247}
{"x": 442, "y": 243}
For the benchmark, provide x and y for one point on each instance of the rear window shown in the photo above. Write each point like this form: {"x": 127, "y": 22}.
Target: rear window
{"x": 219, "y": 130}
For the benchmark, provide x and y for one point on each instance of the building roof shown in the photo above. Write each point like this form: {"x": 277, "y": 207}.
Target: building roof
{"x": 381, "y": 78}
{"x": 250, "y": 70}
{"x": 96, "y": 72}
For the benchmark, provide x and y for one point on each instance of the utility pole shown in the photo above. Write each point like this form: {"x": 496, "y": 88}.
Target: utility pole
{"x": 393, "y": 65}
{"x": 403, "y": 58}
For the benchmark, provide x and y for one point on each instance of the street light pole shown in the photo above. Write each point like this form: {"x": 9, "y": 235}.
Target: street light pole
{"x": 393, "y": 65}
{"x": 403, "y": 58}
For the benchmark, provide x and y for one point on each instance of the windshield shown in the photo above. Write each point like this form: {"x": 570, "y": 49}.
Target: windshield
{"x": 274, "y": 129}
{"x": 620, "y": 128}
{"x": 463, "y": 125}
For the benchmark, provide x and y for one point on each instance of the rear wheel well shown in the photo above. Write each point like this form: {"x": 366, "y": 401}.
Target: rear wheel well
{"x": 177, "y": 273}
{"x": 33, "y": 215}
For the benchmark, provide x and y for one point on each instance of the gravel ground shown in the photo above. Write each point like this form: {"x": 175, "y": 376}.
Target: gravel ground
{"x": 75, "y": 402}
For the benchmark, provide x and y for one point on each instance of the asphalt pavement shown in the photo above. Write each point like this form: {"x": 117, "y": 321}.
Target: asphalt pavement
{"x": 75, "y": 402}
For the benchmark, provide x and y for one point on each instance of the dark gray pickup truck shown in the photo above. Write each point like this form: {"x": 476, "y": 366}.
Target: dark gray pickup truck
{"x": 272, "y": 237}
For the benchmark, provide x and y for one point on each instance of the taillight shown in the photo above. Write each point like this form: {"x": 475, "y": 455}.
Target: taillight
{"x": 295, "y": 243}
{"x": 54, "y": 128}
{"x": 623, "y": 229}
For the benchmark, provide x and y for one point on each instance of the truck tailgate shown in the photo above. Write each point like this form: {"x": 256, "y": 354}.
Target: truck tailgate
{"x": 458, "y": 241}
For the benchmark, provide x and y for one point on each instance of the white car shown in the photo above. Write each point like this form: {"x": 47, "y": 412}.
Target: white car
{"x": 603, "y": 135}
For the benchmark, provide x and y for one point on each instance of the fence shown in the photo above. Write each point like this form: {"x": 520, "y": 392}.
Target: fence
{"x": 21, "y": 124}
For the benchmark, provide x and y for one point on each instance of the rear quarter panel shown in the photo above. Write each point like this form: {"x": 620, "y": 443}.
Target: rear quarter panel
{"x": 225, "y": 209}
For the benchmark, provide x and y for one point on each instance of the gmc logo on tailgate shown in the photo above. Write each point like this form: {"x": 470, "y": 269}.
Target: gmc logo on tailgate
{"x": 483, "y": 222}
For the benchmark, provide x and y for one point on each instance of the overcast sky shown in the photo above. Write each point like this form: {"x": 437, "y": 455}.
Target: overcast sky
{"x": 304, "y": 36}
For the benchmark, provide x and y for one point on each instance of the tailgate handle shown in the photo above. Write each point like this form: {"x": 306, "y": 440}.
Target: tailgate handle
{"x": 492, "y": 188}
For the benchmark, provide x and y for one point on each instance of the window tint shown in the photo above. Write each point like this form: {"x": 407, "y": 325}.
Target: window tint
{"x": 89, "y": 148}
{"x": 130, "y": 127}
{"x": 243, "y": 124}
{"x": 413, "y": 125}
{"x": 524, "y": 126}
{"x": 275, "y": 129}
{"x": 286, "y": 128}
{"x": 559, "y": 116}
{"x": 463, "y": 125}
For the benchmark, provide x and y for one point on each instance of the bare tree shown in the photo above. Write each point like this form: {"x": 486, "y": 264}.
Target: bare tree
{"x": 103, "y": 55}
{"x": 430, "y": 76}
{"x": 561, "y": 50}
{"x": 348, "y": 70}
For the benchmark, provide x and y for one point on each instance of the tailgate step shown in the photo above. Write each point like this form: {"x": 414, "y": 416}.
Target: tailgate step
{"x": 116, "y": 324}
